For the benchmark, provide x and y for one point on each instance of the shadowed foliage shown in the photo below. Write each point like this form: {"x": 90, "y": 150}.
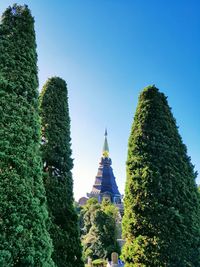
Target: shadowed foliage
{"x": 56, "y": 153}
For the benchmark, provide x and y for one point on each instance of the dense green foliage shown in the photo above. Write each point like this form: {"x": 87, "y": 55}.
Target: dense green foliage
{"x": 24, "y": 240}
{"x": 161, "y": 223}
{"x": 56, "y": 152}
{"x": 99, "y": 263}
{"x": 100, "y": 230}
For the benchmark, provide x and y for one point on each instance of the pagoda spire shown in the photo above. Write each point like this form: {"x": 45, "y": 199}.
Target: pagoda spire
{"x": 105, "y": 185}
{"x": 105, "y": 146}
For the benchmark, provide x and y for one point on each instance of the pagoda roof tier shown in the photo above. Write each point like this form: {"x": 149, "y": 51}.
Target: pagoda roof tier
{"x": 105, "y": 182}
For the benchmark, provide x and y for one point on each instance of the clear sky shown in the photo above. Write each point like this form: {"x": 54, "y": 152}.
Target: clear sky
{"x": 108, "y": 51}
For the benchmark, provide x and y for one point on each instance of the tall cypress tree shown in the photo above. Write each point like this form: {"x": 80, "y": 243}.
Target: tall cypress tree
{"x": 58, "y": 163}
{"x": 161, "y": 223}
{"x": 24, "y": 240}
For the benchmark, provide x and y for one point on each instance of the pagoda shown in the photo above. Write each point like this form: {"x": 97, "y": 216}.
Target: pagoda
{"x": 105, "y": 186}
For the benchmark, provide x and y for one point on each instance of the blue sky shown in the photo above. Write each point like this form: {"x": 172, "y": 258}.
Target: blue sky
{"x": 108, "y": 51}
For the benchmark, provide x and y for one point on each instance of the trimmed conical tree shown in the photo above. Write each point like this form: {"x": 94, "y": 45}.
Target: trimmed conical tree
{"x": 24, "y": 239}
{"x": 161, "y": 224}
{"x": 56, "y": 151}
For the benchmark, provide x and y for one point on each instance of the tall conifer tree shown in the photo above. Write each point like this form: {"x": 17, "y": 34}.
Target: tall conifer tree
{"x": 161, "y": 223}
{"x": 24, "y": 240}
{"x": 56, "y": 151}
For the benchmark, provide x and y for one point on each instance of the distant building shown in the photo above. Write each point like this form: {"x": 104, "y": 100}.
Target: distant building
{"x": 105, "y": 186}
{"x": 82, "y": 201}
